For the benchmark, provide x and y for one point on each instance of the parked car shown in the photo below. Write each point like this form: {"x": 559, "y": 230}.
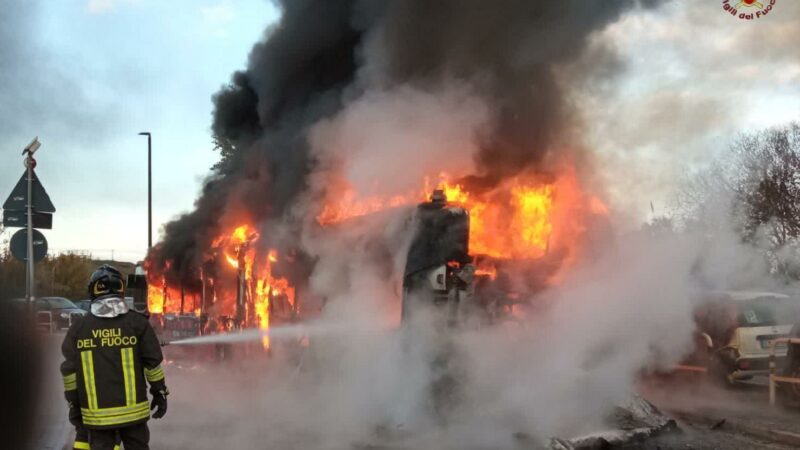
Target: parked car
{"x": 738, "y": 329}
{"x": 53, "y": 313}
{"x": 83, "y": 304}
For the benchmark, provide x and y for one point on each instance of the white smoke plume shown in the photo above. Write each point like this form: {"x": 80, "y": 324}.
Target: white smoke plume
{"x": 386, "y": 141}
{"x": 559, "y": 371}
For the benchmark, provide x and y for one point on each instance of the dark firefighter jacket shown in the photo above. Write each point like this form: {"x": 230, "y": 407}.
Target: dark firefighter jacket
{"x": 108, "y": 355}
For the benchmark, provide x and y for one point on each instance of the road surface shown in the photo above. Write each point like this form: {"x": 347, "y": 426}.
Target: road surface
{"x": 213, "y": 406}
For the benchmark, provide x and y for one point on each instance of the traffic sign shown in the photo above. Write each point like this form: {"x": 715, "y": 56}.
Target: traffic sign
{"x": 18, "y": 200}
{"x": 19, "y": 245}
{"x": 19, "y": 219}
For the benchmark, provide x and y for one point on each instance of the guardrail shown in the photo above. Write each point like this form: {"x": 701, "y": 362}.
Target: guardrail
{"x": 775, "y": 379}
{"x": 689, "y": 368}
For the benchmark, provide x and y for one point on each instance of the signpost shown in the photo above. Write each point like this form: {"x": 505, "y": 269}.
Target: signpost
{"x": 19, "y": 219}
{"x": 29, "y": 207}
{"x": 19, "y": 245}
{"x": 18, "y": 200}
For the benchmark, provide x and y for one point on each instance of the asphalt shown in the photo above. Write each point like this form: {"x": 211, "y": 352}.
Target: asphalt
{"x": 204, "y": 415}
{"x": 52, "y": 431}
{"x": 714, "y": 416}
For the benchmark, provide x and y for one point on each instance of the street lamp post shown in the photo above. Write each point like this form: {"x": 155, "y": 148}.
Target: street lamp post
{"x": 149, "y": 189}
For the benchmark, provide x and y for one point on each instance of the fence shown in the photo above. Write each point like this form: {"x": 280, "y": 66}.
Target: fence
{"x": 773, "y": 378}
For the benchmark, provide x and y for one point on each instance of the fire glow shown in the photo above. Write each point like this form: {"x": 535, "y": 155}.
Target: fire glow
{"x": 530, "y": 224}
{"x": 250, "y": 299}
{"x": 524, "y": 217}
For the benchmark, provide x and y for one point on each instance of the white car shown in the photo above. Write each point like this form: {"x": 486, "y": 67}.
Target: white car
{"x": 739, "y": 329}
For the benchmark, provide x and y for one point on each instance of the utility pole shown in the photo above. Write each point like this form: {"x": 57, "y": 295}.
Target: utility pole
{"x": 149, "y": 189}
{"x": 150, "y": 213}
{"x": 30, "y": 276}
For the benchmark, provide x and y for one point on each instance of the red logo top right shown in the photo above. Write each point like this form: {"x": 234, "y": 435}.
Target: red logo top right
{"x": 748, "y": 9}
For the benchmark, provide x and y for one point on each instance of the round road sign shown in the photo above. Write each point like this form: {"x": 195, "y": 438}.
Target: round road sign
{"x": 19, "y": 245}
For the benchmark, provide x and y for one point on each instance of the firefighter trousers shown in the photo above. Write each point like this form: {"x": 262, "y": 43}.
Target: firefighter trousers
{"x": 82, "y": 440}
{"x": 134, "y": 437}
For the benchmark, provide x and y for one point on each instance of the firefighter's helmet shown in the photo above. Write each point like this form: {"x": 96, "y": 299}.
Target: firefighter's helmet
{"x": 106, "y": 281}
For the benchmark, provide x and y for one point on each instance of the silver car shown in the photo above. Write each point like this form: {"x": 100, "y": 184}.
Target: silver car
{"x": 739, "y": 329}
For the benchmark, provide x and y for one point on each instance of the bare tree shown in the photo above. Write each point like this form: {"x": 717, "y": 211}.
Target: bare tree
{"x": 755, "y": 189}
{"x": 768, "y": 189}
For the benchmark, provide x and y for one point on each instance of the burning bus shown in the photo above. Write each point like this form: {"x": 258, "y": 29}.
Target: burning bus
{"x": 245, "y": 294}
{"x": 481, "y": 255}
{"x": 485, "y": 256}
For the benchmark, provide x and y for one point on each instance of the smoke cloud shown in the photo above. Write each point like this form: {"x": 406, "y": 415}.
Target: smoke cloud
{"x": 678, "y": 103}
{"x": 327, "y": 63}
{"x": 362, "y": 382}
{"x": 423, "y": 133}
{"x": 376, "y": 96}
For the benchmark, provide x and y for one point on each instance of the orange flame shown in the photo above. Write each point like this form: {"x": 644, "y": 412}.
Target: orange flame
{"x": 261, "y": 287}
{"x": 488, "y": 271}
{"x": 349, "y": 206}
{"x": 519, "y": 229}
{"x": 155, "y": 301}
{"x": 525, "y": 217}
{"x": 232, "y": 261}
{"x": 258, "y": 277}
{"x": 160, "y": 298}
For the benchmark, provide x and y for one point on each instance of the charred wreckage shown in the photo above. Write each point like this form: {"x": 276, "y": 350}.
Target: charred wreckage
{"x": 440, "y": 272}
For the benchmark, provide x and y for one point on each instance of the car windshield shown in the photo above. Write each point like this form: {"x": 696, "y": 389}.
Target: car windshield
{"x": 767, "y": 311}
{"x": 60, "y": 303}
{"x": 84, "y": 304}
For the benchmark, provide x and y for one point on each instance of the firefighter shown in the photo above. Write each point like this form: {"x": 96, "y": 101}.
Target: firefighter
{"x": 108, "y": 356}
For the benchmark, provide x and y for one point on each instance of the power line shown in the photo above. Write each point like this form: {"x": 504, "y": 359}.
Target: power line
{"x": 132, "y": 256}
{"x": 117, "y": 250}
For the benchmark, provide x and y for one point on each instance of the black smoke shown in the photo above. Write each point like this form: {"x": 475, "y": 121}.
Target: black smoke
{"x": 509, "y": 50}
{"x": 324, "y": 53}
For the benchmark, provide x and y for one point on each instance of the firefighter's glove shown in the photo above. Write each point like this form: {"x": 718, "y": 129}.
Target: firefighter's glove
{"x": 75, "y": 415}
{"x": 74, "y": 408}
{"x": 159, "y": 403}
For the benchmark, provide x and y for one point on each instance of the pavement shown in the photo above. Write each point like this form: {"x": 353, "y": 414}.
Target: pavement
{"x": 713, "y": 416}
{"x": 211, "y": 409}
{"x": 52, "y": 431}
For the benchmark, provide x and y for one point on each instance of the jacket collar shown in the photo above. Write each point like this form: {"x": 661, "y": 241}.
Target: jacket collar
{"x": 109, "y": 307}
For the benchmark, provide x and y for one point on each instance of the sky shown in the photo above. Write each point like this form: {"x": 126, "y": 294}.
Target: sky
{"x": 86, "y": 76}
{"x": 693, "y": 78}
